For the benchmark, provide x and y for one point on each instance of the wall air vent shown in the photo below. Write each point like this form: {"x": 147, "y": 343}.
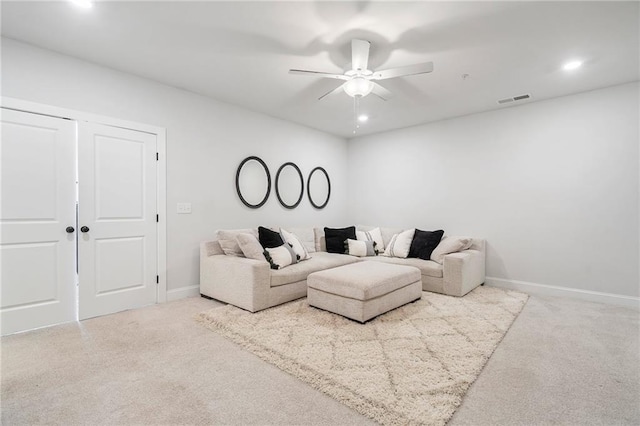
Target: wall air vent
{"x": 515, "y": 98}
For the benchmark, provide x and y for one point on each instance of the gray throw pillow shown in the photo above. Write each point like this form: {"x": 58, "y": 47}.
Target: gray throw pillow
{"x": 450, "y": 245}
{"x": 250, "y": 246}
{"x": 228, "y": 243}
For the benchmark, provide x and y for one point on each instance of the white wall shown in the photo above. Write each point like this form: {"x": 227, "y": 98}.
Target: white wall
{"x": 552, "y": 186}
{"x": 206, "y": 140}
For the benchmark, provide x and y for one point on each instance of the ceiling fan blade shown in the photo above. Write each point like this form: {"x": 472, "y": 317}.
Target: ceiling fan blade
{"x": 403, "y": 71}
{"x": 331, "y": 92}
{"x": 319, "y": 74}
{"x": 381, "y": 92}
{"x": 359, "y": 54}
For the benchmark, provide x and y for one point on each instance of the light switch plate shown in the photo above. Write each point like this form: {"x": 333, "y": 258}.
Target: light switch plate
{"x": 184, "y": 208}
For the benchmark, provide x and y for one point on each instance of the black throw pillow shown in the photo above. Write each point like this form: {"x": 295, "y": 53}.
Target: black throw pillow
{"x": 335, "y": 238}
{"x": 269, "y": 238}
{"x": 424, "y": 242}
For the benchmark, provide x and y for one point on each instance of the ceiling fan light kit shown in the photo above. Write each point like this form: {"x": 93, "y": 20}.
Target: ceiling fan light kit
{"x": 358, "y": 86}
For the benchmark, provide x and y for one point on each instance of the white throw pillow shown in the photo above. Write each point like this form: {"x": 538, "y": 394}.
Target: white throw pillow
{"x": 251, "y": 247}
{"x": 306, "y": 236}
{"x": 450, "y": 245}
{"x": 360, "y": 248}
{"x": 295, "y": 243}
{"x": 280, "y": 257}
{"x": 228, "y": 242}
{"x": 373, "y": 235}
{"x": 400, "y": 244}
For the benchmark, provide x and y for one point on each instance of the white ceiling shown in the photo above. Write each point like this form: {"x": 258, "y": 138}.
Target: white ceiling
{"x": 240, "y": 52}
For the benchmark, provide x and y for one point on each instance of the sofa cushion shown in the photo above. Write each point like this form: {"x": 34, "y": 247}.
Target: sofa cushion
{"x": 228, "y": 243}
{"x": 427, "y": 267}
{"x": 450, "y": 245}
{"x": 269, "y": 238}
{"x": 319, "y": 261}
{"x": 336, "y": 237}
{"x": 424, "y": 242}
{"x": 364, "y": 280}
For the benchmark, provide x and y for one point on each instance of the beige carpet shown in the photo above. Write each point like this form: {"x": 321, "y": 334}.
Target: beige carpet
{"x": 412, "y": 365}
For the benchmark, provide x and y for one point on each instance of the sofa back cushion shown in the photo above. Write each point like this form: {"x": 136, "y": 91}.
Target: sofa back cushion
{"x": 320, "y": 242}
{"x": 388, "y": 233}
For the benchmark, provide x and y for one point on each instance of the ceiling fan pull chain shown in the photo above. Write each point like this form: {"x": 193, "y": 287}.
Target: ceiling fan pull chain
{"x": 355, "y": 114}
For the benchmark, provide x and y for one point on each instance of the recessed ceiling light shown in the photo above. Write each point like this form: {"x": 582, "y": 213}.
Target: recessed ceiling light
{"x": 362, "y": 118}
{"x": 84, "y": 4}
{"x": 572, "y": 65}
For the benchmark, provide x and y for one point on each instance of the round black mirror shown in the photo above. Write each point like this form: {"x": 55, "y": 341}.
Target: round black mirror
{"x": 318, "y": 187}
{"x": 253, "y": 182}
{"x": 289, "y": 188}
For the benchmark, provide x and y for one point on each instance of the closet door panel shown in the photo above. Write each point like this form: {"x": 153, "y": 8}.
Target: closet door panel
{"x": 37, "y": 254}
{"x": 117, "y": 205}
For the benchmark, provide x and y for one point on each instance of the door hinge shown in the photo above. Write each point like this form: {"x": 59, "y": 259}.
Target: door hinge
{"x": 157, "y": 218}
{"x": 157, "y": 279}
{"x": 157, "y": 158}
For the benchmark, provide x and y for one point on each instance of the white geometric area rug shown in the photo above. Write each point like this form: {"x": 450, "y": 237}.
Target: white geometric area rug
{"x": 412, "y": 365}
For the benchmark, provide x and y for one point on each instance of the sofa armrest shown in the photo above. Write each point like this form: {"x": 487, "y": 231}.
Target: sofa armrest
{"x": 463, "y": 271}
{"x": 237, "y": 280}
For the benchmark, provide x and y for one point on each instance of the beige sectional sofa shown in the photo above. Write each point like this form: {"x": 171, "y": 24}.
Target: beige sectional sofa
{"x": 252, "y": 285}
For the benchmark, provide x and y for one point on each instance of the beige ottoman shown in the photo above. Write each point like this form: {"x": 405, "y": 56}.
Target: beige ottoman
{"x": 364, "y": 290}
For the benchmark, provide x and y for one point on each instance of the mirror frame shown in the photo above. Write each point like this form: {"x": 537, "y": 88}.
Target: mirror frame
{"x": 266, "y": 169}
{"x": 322, "y": 206}
{"x": 297, "y": 169}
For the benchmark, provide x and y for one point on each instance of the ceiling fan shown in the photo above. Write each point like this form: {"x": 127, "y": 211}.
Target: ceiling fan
{"x": 359, "y": 81}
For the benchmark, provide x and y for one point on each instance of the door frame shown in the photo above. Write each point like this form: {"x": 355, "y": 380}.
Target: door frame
{"x": 161, "y": 170}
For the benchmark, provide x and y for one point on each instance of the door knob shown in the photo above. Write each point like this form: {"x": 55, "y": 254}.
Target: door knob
{"x": 85, "y": 229}
{"x": 70, "y": 229}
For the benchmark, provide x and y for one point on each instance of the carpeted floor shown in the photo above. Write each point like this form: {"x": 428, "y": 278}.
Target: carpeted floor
{"x": 412, "y": 365}
{"x": 563, "y": 362}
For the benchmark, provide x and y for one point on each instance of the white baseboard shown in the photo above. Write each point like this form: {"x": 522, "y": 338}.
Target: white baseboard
{"x": 182, "y": 292}
{"x": 551, "y": 290}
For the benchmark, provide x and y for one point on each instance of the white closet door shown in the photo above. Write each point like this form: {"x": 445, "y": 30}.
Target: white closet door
{"x": 117, "y": 219}
{"x": 38, "y": 199}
